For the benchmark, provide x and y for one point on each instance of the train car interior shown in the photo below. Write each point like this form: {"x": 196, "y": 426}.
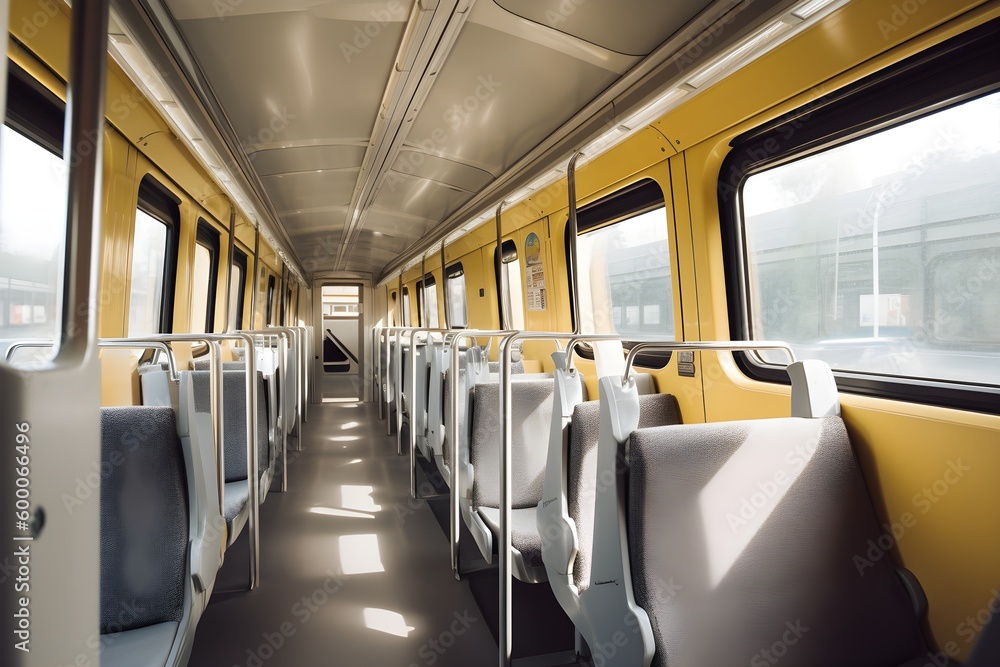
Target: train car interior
{"x": 530, "y": 333}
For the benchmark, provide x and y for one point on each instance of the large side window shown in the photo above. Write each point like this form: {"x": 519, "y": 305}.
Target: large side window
{"x": 458, "y": 308}
{"x": 32, "y": 210}
{"x": 512, "y": 303}
{"x": 237, "y": 290}
{"x": 875, "y": 245}
{"x": 623, "y": 272}
{"x": 427, "y": 296}
{"x": 205, "y": 278}
{"x": 154, "y": 261}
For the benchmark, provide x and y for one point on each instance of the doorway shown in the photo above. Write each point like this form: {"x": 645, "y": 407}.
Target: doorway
{"x": 342, "y": 357}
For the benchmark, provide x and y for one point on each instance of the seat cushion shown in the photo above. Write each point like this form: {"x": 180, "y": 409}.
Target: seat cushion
{"x": 523, "y": 531}
{"x": 236, "y": 496}
{"x": 745, "y": 536}
{"x": 144, "y": 518}
{"x": 531, "y": 408}
{"x": 143, "y": 647}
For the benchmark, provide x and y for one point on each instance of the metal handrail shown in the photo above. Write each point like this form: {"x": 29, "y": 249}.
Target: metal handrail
{"x": 135, "y": 344}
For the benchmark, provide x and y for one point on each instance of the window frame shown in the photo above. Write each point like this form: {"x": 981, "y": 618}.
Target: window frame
{"x": 209, "y": 237}
{"x": 454, "y": 272}
{"x": 240, "y": 260}
{"x": 500, "y": 264}
{"x": 426, "y": 282}
{"x": 633, "y": 200}
{"x": 950, "y": 73}
{"x": 156, "y": 201}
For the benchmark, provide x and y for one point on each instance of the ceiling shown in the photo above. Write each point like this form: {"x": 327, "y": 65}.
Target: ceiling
{"x": 368, "y": 123}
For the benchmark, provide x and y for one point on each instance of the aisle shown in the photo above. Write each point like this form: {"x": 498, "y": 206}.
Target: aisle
{"x": 353, "y": 572}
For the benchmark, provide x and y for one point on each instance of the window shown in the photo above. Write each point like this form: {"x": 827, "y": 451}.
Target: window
{"x": 427, "y": 296}
{"x": 154, "y": 261}
{"x": 341, "y": 301}
{"x": 406, "y": 307}
{"x": 270, "y": 300}
{"x": 876, "y": 246}
{"x": 237, "y": 288}
{"x": 32, "y": 210}
{"x": 623, "y": 273}
{"x": 512, "y": 303}
{"x": 204, "y": 279}
{"x": 458, "y": 309}
{"x": 394, "y": 314}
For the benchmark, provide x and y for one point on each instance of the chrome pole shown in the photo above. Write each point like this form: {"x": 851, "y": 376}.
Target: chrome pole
{"x": 574, "y": 230}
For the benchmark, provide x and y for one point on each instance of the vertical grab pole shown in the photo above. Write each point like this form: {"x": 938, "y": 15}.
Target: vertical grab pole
{"x": 218, "y": 422}
{"x": 504, "y": 637}
{"x": 412, "y": 440}
{"x": 422, "y": 292}
{"x": 84, "y": 153}
{"x": 253, "y": 465}
{"x": 283, "y": 384}
{"x": 398, "y": 390}
{"x": 571, "y": 269}
{"x": 444, "y": 291}
{"x": 227, "y": 325}
{"x": 377, "y": 352}
{"x": 253, "y": 282}
{"x": 451, "y": 431}
{"x": 498, "y": 268}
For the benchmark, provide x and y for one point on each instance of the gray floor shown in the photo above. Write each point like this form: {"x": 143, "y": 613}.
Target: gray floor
{"x": 353, "y": 572}
{"x": 339, "y": 387}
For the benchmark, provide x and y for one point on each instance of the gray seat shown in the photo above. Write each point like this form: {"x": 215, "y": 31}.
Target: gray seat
{"x": 204, "y": 364}
{"x": 581, "y": 481}
{"x": 742, "y": 535}
{"x": 145, "y": 607}
{"x": 531, "y": 405}
{"x": 236, "y": 491}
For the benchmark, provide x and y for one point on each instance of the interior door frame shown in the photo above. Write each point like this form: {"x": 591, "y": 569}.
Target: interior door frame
{"x": 365, "y": 297}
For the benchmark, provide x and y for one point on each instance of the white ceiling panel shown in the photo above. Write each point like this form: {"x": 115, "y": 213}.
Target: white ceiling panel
{"x": 492, "y": 102}
{"x": 442, "y": 170}
{"x": 632, "y": 27}
{"x": 311, "y": 189}
{"x": 300, "y": 222}
{"x": 306, "y": 158}
{"x": 419, "y": 197}
{"x": 288, "y": 76}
